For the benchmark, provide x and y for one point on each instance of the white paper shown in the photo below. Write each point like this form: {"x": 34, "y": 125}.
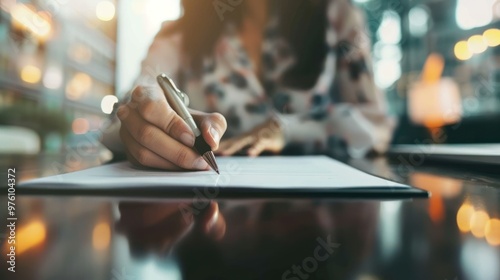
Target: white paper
{"x": 305, "y": 172}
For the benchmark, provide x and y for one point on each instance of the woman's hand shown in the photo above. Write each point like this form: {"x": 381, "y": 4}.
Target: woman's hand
{"x": 265, "y": 137}
{"x": 155, "y": 136}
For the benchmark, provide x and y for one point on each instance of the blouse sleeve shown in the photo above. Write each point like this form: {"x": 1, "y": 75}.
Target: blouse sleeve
{"x": 163, "y": 56}
{"x": 345, "y": 104}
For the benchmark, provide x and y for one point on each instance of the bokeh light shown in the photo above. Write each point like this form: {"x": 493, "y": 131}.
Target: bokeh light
{"x": 477, "y": 44}
{"x": 478, "y": 222}
{"x": 31, "y": 74}
{"x": 433, "y": 68}
{"x": 30, "y": 235}
{"x": 107, "y": 103}
{"x": 105, "y": 10}
{"x": 473, "y": 13}
{"x": 389, "y": 31}
{"x": 26, "y": 17}
{"x": 464, "y": 215}
{"x": 462, "y": 51}
{"x": 387, "y": 72}
{"x": 52, "y": 79}
{"x": 78, "y": 85}
{"x": 418, "y": 18}
{"x": 492, "y": 37}
{"x": 492, "y": 232}
{"x": 80, "y": 126}
{"x": 444, "y": 186}
{"x": 101, "y": 236}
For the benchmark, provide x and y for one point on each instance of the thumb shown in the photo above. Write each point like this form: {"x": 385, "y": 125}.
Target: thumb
{"x": 212, "y": 127}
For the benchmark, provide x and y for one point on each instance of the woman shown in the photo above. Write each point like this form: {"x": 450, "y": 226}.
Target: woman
{"x": 277, "y": 72}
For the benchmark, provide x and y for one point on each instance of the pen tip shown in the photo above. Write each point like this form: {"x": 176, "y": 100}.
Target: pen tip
{"x": 210, "y": 159}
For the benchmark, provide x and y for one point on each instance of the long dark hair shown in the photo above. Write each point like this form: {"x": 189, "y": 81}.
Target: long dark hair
{"x": 301, "y": 22}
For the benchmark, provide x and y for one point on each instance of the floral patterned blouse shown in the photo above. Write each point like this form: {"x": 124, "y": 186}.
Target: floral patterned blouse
{"x": 344, "y": 108}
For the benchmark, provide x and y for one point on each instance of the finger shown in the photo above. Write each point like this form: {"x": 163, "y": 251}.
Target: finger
{"x": 224, "y": 144}
{"x": 154, "y": 108}
{"x": 257, "y": 148}
{"x": 215, "y": 224}
{"x": 219, "y": 228}
{"x": 156, "y": 141}
{"x": 209, "y": 219}
{"x": 212, "y": 127}
{"x": 238, "y": 144}
{"x": 142, "y": 156}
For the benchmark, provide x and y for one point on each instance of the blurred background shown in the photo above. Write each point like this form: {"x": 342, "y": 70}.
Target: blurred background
{"x": 65, "y": 63}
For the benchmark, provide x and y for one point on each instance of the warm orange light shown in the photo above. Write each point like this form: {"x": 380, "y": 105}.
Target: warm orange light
{"x": 80, "y": 126}
{"x": 434, "y": 101}
{"x": 446, "y": 187}
{"x": 26, "y": 17}
{"x": 435, "y": 104}
{"x": 29, "y": 236}
{"x": 101, "y": 236}
{"x": 478, "y": 222}
{"x": 78, "y": 86}
{"x": 83, "y": 81}
{"x": 31, "y": 74}
{"x": 492, "y": 37}
{"x": 436, "y": 208}
{"x": 476, "y": 44}
{"x": 462, "y": 51}
{"x": 433, "y": 68}
{"x": 492, "y": 232}
{"x": 464, "y": 215}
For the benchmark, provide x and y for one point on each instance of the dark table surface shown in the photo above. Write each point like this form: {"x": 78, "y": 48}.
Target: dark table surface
{"x": 455, "y": 234}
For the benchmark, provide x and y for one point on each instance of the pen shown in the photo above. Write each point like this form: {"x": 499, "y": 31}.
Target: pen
{"x": 175, "y": 99}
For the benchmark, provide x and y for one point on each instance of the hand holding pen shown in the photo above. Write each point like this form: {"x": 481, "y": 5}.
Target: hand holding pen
{"x": 154, "y": 135}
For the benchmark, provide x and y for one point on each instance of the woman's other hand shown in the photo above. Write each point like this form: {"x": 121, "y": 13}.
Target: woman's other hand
{"x": 155, "y": 136}
{"x": 267, "y": 137}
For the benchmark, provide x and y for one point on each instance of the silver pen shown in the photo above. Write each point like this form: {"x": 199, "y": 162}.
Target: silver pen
{"x": 175, "y": 99}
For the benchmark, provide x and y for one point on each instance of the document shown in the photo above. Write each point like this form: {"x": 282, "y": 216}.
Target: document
{"x": 305, "y": 173}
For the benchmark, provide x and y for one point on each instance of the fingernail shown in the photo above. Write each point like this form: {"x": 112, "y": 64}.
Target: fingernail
{"x": 187, "y": 139}
{"x": 200, "y": 164}
{"x": 215, "y": 134}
